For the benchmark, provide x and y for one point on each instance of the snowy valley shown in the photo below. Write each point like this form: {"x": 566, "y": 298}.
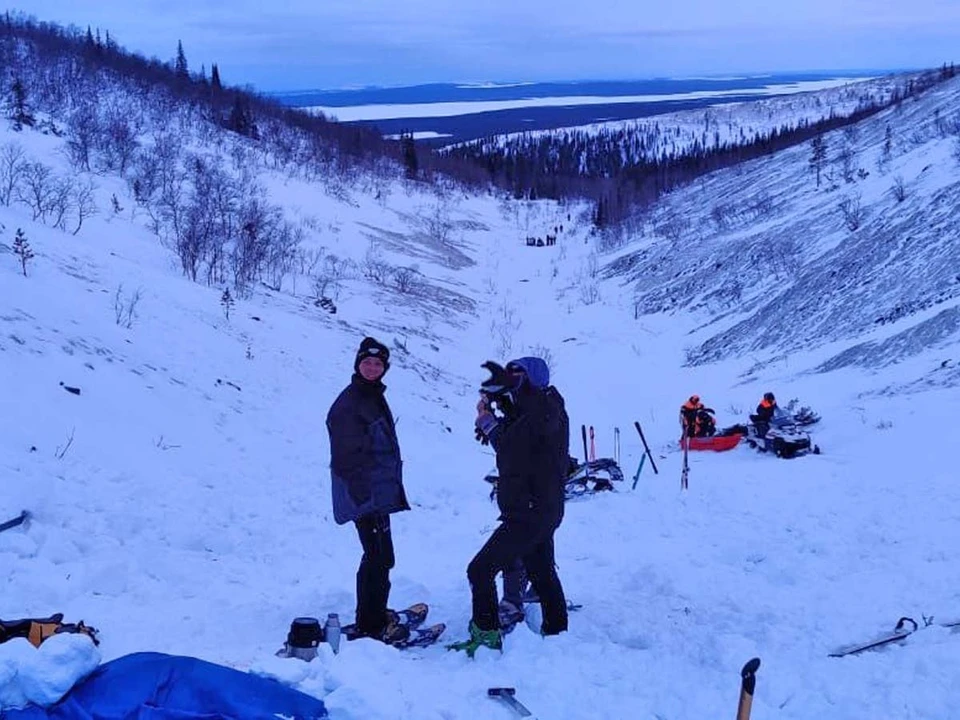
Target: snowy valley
{"x": 180, "y": 497}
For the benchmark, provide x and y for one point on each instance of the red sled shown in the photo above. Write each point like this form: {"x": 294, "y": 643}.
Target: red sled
{"x": 717, "y": 443}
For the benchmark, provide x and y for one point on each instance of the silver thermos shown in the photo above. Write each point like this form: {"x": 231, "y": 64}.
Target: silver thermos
{"x": 331, "y": 631}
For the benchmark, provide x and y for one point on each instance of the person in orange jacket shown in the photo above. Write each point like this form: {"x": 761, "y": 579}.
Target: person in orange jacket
{"x": 696, "y": 419}
{"x": 764, "y": 414}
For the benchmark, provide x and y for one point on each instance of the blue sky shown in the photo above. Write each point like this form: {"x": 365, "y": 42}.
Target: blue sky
{"x": 300, "y": 44}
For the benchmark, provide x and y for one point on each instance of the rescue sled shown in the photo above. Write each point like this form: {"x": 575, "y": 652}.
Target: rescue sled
{"x": 717, "y": 443}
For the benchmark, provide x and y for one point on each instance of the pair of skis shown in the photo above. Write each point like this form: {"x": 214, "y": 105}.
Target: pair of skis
{"x": 748, "y": 683}
{"x": 646, "y": 454}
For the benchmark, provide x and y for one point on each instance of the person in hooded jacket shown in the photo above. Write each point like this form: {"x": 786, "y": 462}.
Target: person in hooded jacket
{"x": 765, "y": 413}
{"x": 367, "y": 481}
{"x": 532, "y": 451}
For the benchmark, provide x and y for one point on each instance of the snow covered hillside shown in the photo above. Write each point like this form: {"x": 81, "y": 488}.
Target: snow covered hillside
{"x": 181, "y": 497}
{"x": 863, "y": 267}
{"x": 674, "y": 133}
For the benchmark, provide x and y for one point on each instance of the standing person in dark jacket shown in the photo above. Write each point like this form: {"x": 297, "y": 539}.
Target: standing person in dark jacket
{"x": 367, "y": 481}
{"x": 532, "y": 447}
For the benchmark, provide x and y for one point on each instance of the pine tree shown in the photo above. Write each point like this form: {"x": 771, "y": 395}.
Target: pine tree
{"x": 818, "y": 155}
{"x": 215, "y": 78}
{"x": 239, "y": 120}
{"x": 21, "y": 248}
{"x": 20, "y": 112}
{"x": 180, "y": 66}
{"x": 408, "y": 151}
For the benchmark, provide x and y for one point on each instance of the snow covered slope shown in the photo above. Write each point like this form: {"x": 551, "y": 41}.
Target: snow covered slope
{"x": 777, "y": 265}
{"x": 181, "y": 500}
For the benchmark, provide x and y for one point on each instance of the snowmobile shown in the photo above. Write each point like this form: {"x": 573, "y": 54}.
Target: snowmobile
{"x": 784, "y": 436}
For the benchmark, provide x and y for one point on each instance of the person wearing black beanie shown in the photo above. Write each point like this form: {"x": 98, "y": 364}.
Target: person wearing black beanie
{"x": 372, "y": 348}
{"x": 367, "y": 480}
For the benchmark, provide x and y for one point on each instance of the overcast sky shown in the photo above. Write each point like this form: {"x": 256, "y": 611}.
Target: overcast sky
{"x": 301, "y": 44}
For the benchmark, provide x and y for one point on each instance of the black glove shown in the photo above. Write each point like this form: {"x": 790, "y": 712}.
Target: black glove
{"x": 499, "y": 381}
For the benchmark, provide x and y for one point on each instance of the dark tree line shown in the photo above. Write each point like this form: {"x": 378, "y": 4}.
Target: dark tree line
{"x": 621, "y": 169}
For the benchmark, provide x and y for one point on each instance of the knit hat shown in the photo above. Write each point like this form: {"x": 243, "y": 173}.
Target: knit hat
{"x": 371, "y": 347}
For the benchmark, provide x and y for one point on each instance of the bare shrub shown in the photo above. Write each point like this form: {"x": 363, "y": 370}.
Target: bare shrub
{"x": 328, "y": 278}
{"x": 374, "y": 267}
{"x": 899, "y": 188}
{"x": 125, "y": 307}
{"x": 13, "y": 164}
{"x": 589, "y": 292}
{"x": 852, "y": 211}
{"x": 61, "y": 202}
{"x": 36, "y": 190}
{"x": 407, "y": 280}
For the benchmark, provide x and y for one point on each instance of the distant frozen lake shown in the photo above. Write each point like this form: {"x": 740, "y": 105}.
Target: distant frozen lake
{"x": 464, "y": 111}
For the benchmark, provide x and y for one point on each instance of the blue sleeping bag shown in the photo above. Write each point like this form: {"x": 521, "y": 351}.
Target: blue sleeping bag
{"x": 154, "y": 686}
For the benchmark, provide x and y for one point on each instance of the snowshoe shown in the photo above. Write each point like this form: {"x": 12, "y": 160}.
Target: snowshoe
{"x": 421, "y": 636}
{"x": 403, "y": 628}
{"x": 412, "y": 616}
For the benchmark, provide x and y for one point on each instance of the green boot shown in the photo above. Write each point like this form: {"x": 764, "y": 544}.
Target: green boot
{"x": 492, "y": 639}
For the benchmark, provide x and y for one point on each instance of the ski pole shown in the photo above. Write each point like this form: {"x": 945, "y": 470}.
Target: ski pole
{"x": 616, "y": 445}
{"x": 637, "y": 475}
{"x": 646, "y": 448}
{"x": 748, "y": 682}
{"x": 593, "y": 447}
{"x": 685, "y": 442}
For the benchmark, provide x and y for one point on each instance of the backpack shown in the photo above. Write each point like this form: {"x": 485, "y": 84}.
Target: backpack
{"x": 36, "y": 630}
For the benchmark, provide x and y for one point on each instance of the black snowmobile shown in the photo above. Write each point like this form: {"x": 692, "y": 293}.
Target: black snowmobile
{"x": 784, "y": 435}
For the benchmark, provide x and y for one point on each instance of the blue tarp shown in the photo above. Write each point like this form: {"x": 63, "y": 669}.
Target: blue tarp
{"x": 154, "y": 686}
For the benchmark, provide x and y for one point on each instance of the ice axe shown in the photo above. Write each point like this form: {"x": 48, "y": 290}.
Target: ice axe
{"x": 507, "y": 695}
{"x": 748, "y": 682}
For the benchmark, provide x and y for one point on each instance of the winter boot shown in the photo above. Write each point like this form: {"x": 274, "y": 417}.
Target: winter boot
{"x": 510, "y": 615}
{"x": 492, "y": 639}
